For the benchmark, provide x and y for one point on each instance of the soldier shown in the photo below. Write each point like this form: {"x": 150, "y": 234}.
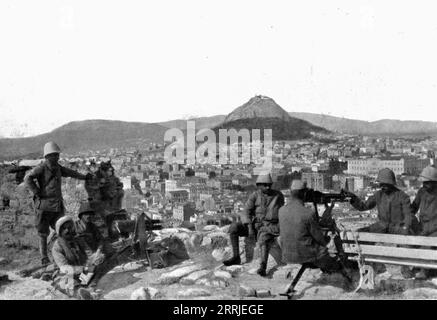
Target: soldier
{"x": 70, "y": 256}
{"x": 6, "y": 202}
{"x": 116, "y": 191}
{"x": 97, "y": 188}
{"x": 48, "y": 201}
{"x": 258, "y": 221}
{"x": 91, "y": 235}
{"x": 302, "y": 238}
{"x": 394, "y": 212}
{"x": 425, "y": 203}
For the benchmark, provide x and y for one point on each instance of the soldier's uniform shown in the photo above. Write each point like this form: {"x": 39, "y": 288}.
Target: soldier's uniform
{"x": 261, "y": 212}
{"x": 303, "y": 240}
{"x": 394, "y": 212}
{"x": 48, "y": 201}
{"x": 425, "y": 203}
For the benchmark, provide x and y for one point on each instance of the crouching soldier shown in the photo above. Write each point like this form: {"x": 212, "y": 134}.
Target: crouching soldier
{"x": 259, "y": 221}
{"x": 394, "y": 212}
{"x": 302, "y": 239}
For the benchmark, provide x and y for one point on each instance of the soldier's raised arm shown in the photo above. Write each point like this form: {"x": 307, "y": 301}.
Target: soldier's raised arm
{"x": 66, "y": 172}
{"x": 362, "y": 205}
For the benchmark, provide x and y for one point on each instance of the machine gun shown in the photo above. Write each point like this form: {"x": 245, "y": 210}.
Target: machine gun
{"x": 317, "y": 197}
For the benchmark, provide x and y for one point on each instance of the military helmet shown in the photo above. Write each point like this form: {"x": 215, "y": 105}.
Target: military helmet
{"x": 85, "y": 208}
{"x": 51, "y": 147}
{"x": 61, "y": 221}
{"x": 297, "y": 184}
{"x": 264, "y": 178}
{"x": 386, "y": 176}
{"x": 428, "y": 174}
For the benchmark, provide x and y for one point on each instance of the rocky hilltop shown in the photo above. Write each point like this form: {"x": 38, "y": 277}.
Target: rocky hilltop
{"x": 262, "y": 112}
{"x": 203, "y": 276}
{"x": 258, "y": 107}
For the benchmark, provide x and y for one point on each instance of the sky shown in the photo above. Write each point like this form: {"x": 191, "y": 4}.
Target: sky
{"x": 151, "y": 61}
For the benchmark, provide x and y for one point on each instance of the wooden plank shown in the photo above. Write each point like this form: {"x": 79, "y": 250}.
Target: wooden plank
{"x": 383, "y": 251}
{"x": 399, "y": 261}
{"x": 391, "y": 238}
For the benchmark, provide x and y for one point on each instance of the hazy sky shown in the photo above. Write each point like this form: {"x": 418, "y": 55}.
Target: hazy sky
{"x": 159, "y": 60}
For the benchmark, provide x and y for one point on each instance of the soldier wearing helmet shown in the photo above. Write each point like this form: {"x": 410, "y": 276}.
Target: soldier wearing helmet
{"x": 395, "y": 215}
{"x": 45, "y": 183}
{"x": 394, "y": 211}
{"x": 259, "y": 221}
{"x": 426, "y": 203}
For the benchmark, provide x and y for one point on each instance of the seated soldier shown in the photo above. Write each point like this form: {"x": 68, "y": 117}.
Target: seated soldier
{"x": 69, "y": 255}
{"x": 394, "y": 213}
{"x": 78, "y": 266}
{"x": 425, "y": 203}
{"x": 302, "y": 239}
{"x": 91, "y": 235}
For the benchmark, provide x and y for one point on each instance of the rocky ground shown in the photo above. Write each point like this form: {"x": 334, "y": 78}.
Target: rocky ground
{"x": 203, "y": 276}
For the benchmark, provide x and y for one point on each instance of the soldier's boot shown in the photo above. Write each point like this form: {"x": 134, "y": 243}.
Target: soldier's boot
{"x": 421, "y": 275}
{"x": 276, "y": 253}
{"x": 264, "y": 253}
{"x": 249, "y": 248}
{"x": 235, "y": 252}
{"x": 43, "y": 250}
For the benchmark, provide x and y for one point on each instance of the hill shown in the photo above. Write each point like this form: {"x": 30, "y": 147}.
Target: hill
{"x": 81, "y": 136}
{"x": 201, "y": 122}
{"x": 262, "y": 112}
{"x": 380, "y": 127}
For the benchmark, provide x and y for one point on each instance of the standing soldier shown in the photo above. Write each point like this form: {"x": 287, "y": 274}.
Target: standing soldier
{"x": 48, "y": 201}
{"x": 258, "y": 221}
{"x": 394, "y": 212}
{"x": 116, "y": 191}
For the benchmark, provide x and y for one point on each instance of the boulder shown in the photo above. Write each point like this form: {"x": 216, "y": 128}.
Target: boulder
{"x": 235, "y": 270}
{"x": 211, "y": 227}
{"x": 3, "y": 261}
{"x": 183, "y": 236}
{"x": 130, "y": 266}
{"x": 219, "y": 283}
{"x": 222, "y": 275}
{"x": 253, "y": 271}
{"x": 193, "y": 292}
{"x": 420, "y": 293}
{"x": 246, "y": 291}
{"x": 176, "y": 275}
{"x": 142, "y": 293}
{"x": 221, "y": 254}
{"x": 263, "y": 294}
{"x": 196, "y": 240}
{"x": 323, "y": 293}
{"x": 167, "y": 231}
{"x": 206, "y": 241}
{"x": 224, "y": 229}
{"x": 193, "y": 277}
{"x": 215, "y": 240}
